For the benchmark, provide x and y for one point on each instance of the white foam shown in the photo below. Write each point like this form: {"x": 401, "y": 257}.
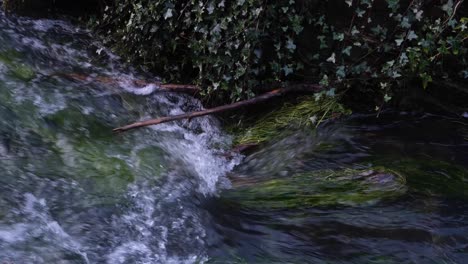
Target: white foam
{"x": 158, "y": 217}
{"x": 37, "y": 223}
{"x": 13, "y": 233}
{"x": 45, "y": 25}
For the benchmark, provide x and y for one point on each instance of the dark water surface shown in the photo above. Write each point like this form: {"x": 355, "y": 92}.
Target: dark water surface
{"x": 392, "y": 189}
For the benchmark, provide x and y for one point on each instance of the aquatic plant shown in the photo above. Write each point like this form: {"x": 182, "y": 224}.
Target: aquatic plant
{"x": 309, "y": 112}
{"x": 348, "y": 187}
{"x": 431, "y": 176}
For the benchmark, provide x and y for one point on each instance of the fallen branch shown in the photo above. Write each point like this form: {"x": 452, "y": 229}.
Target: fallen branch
{"x": 223, "y": 108}
{"x": 180, "y": 88}
{"x": 169, "y": 87}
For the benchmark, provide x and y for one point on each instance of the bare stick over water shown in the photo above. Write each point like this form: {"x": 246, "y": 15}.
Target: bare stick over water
{"x": 223, "y": 108}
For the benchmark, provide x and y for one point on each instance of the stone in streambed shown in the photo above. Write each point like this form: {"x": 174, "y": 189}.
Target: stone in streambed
{"x": 14, "y": 68}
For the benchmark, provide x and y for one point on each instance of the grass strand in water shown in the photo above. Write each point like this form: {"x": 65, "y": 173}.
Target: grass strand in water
{"x": 308, "y": 112}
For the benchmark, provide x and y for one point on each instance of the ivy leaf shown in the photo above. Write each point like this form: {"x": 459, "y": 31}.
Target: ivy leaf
{"x": 349, "y": 2}
{"x": 360, "y": 12}
{"x": 426, "y": 79}
{"x": 412, "y": 35}
{"x": 464, "y": 73}
{"x": 290, "y": 45}
{"x": 419, "y": 15}
{"x": 387, "y": 98}
{"x": 393, "y": 4}
{"x": 332, "y": 58}
{"x": 405, "y": 23}
{"x": 448, "y": 7}
{"x": 210, "y": 9}
{"x": 396, "y": 74}
{"x": 324, "y": 81}
{"x": 323, "y": 44}
{"x": 287, "y": 70}
{"x": 403, "y": 59}
{"x": 168, "y": 14}
{"x": 367, "y": 2}
{"x": 340, "y": 72}
{"x": 383, "y": 85}
{"x": 347, "y": 50}
{"x": 398, "y": 42}
{"x": 338, "y": 36}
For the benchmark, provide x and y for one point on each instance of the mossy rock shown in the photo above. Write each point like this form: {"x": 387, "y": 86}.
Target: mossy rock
{"x": 90, "y": 163}
{"x": 16, "y": 69}
{"x": 72, "y": 121}
{"x": 349, "y": 187}
{"x": 22, "y": 71}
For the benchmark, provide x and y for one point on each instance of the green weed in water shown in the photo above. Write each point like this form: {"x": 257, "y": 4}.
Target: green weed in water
{"x": 430, "y": 176}
{"x": 308, "y": 112}
{"x": 15, "y": 68}
{"x": 350, "y": 187}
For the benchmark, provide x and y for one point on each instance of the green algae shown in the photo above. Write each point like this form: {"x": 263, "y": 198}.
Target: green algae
{"x": 348, "y": 187}
{"x": 432, "y": 176}
{"x": 68, "y": 145}
{"x": 16, "y": 69}
{"x": 308, "y": 112}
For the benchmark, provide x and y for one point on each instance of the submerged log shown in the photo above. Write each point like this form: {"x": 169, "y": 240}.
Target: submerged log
{"x": 261, "y": 98}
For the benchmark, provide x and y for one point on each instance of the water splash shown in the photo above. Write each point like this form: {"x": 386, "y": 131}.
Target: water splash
{"x": 79, "y": 205}
{"x": 36, "y": 232}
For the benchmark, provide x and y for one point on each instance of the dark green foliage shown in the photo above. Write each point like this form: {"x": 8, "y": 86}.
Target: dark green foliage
{"x": 230, "y": 48}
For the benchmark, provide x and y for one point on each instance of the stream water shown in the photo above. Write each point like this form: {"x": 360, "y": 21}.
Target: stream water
{"x": 71, "y": 191}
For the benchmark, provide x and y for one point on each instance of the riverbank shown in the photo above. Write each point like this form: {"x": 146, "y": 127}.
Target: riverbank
{"x": 230, "y": 60}
{"x": 359, "y": 189}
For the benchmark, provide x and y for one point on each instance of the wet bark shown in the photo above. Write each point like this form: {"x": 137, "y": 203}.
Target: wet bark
{"x": 261, "y": 98}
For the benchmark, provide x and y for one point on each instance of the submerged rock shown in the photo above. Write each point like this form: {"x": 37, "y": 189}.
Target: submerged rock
{"x": 11, "y": 61}
{"x": 348, "y": 187}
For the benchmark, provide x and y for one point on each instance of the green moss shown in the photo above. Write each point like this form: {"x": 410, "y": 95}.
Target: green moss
{"x": 349, "y": 187}
{"x": 16, "y": 69}
{"x": 148, "y": 161}
{"x": 307, "y": 113}
{"x": 22, "y": 72}
{"x": 71, "y": 118}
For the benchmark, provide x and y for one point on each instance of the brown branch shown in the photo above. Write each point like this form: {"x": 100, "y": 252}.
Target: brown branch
{"x": 169, "y": 87}
{"x": 223, "y": 108}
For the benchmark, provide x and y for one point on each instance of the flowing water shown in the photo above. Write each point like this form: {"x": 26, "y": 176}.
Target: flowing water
{"x": 360, "y": 190}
